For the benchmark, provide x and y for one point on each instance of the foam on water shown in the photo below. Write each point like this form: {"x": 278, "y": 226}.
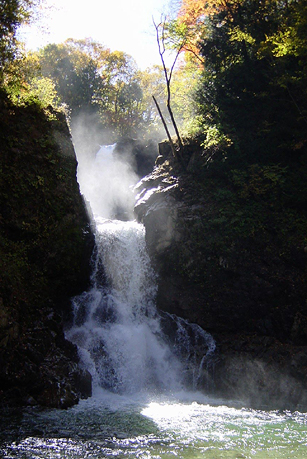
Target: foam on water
{"x": 140, "y": 406}
{"x": 185, "y": 425}
{"x": 116, "y": 324}
{"x": 120, "y": 335}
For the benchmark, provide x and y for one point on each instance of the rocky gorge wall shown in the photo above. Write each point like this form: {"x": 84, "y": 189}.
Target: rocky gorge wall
{"x": 228, "y": 244}
{"x": 230, "y": 253}
{"x": 45, "y": 249}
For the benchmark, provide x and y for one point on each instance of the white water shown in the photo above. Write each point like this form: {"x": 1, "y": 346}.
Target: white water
{"x": 193, "y": 426}
{"x": 116, "y": 326}
{"x": 106, "y": 182}
{"x": 140, "y": 407}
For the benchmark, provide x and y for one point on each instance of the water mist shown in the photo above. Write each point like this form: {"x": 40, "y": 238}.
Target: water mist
{"x": 139, "y": 359}
{"x": 119, "y": 333}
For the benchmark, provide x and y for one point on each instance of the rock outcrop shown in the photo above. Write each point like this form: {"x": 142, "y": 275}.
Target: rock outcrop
{"x": 229, "y": 251}
{"x": 45, "y": 249}
{"x": 138, "y": 154}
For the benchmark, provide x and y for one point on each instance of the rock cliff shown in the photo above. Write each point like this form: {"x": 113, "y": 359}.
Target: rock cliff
{"x": 45, "y": 249}
{"x": 229, "y": 246}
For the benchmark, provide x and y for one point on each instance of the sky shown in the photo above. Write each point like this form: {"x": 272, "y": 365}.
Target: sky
{"x": 124, "y": 25}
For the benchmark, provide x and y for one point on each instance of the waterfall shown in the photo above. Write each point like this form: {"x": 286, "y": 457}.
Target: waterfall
{"x": 123, "y": 341}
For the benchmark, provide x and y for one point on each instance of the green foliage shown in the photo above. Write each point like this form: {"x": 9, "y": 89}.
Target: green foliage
{"x": 83, "y": 77}
{"x": 41, "y": 92}
{"x": 19, "y": 73}
{"x": 152, "y": 82}
{"x": 183, "y": 86}
{"x": 253, "y": 88}
{"x": 90, "y": 79}
{"x": 215, "y": 138}
{"x": 44, "y": 89}
{"x": 241, "y": 213}
{"x": 256, "y": 181}
{"x": 73, "y": 73}
{"x": 12, "y": 14}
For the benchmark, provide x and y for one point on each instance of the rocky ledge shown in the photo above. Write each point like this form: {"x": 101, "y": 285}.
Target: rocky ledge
{"x": 230, "y": 255}
{"x": 45, "y": 249}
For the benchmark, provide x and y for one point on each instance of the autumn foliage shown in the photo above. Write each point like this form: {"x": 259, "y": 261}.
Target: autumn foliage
{"x": 192, "y": 11}
{"x": 193, "y": 14}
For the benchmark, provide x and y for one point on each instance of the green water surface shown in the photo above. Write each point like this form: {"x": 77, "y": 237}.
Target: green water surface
{"x": 109, "y": 425}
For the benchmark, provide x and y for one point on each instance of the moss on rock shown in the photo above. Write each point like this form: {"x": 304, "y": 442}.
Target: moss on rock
{"x": 229, "y": 246}
{"x": 45, "y": 245}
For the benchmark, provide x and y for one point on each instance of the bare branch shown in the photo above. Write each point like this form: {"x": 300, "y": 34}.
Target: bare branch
{"x": 168, "y": 76}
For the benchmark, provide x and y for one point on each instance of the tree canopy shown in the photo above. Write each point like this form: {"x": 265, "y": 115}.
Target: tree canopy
{"x": 252, "y": 95}
{"x": 243, "y": 87}
{"x": 12, "y": 14}
{"x": 254, "y": 81}
{"x": 91, "y": 80}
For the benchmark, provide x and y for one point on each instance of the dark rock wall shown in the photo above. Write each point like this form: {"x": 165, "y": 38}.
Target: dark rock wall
{"x": 139, "y": 154}
{"x": 230, "y": 254}
{"x": 45, "y": 249}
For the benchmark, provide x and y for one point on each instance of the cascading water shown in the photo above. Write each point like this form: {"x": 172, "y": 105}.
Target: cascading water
{"x": 116, "y": 327}
{"x": 136, "y": 355}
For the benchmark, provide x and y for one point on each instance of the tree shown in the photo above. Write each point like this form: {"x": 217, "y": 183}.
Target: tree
{"x": 120, "y": 100}
{"x": 163, "y": 39}
{"x": 12, "y": 14}
{"x": 192, "y": 15}
{"x": 152, "y": 81}
{"x": 75, "y": 74}
{"x": 253, "y": 88}
{"x": 91, "y": 80}
{"x": 184, "y": 88}
{"x": 105, "y": 87}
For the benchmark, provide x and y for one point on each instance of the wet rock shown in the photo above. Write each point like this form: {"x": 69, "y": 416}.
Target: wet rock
{"x": 209, "y": 269}
{"x": 140, "y": 155}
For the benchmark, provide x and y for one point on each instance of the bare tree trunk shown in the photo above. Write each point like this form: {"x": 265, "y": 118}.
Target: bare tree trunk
{"x": 178, "y": 154}
{"x": 176, "y": 129}
{"x": 166, "y": 128}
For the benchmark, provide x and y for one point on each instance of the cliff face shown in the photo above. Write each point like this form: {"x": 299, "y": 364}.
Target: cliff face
{"x": 45, "y": 250}
{"x": 229, "y": 248}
